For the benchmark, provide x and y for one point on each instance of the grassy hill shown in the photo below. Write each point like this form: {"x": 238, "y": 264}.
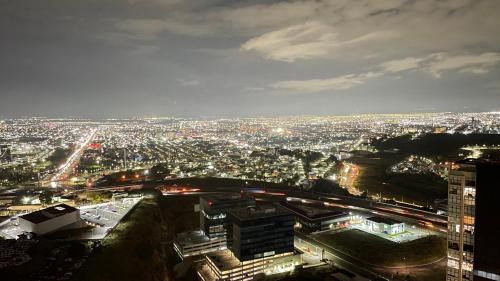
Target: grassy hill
{"x": 140, "y": 248}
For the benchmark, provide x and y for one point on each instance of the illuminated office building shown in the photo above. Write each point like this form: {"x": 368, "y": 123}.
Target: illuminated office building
{"x": 473, "y": 248}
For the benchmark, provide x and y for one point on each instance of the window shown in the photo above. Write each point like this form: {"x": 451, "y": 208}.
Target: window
{"x": 453, "y": 246}
{"x": 468, "y": 248}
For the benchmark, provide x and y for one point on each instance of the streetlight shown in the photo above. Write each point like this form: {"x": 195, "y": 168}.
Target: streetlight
{"x": 25, "y": 200}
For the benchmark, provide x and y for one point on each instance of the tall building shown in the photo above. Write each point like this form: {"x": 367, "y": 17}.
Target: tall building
{"x": 213, "y": 216}
{"x": 261, "y": 243}
{"x": 473, "y": 217}
{"x": 214, "y": 208}
{"x": 258, "y": 232}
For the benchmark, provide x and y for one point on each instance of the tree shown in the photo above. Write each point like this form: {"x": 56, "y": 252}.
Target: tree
{"x": 46, "y": 197}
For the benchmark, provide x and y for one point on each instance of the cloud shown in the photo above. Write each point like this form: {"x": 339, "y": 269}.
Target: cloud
{"x": 477, "y": 64}
{"x": 402, "y": 64}
{"x": 494, "y": 85}
{"x": 145, "y": 29}
{"x": 305, "y": 41}
{"x": 318, "y": 85}
{"x": 437, "y": 63}
{"x": 475, "y": 70}
{"x": 254, "y": 89}
{"x": 144, "y": 50}
{"x": 341, "y": 28}
{"x": 326, "y": 29}
{"x": 151, "y": 29}
{"x": 158, "y": 2}
{"x": 188, "y": 83}
{"x": 261, "y": 16}
{"x": 434, "y": 64}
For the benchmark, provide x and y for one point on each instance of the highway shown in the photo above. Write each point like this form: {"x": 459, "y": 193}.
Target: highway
{"x": 73, "y": 158}
{"x": 416, "y": 216}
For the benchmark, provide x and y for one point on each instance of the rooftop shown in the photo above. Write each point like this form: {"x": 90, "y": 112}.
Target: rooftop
{"x": 192, "y": 237}
{"x": 226, "y": 197}
{"x": 311, "y": 213}
{"x": 384, "y": 220}
{"x": 258, "y": 212}
{"x": 48, "y": 213}
{"x": 224, "y": 260}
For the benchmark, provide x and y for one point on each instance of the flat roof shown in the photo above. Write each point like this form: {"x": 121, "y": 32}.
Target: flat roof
{"x": 225, "y": 197}
{"x": 258, "y": 212}
{"x": 192, "y": 238}
{"x": 224, "y": 259}
{"x": 48, "y": 213}
{"x": 467, "y": 161}
{"x": 384, "y": 220}
{"x": 312, "y": 213}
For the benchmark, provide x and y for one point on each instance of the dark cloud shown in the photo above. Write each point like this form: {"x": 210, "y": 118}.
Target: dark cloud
{"x": 103, "y": 58}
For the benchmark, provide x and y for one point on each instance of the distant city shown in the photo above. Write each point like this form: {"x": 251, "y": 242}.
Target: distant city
{"x": 295, "y": 150}
{"x": 362, "y": 197}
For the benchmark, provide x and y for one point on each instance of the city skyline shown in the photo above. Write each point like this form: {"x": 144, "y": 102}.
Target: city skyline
{"x": 229, "y": 140}
{"x": 105, "y": 59}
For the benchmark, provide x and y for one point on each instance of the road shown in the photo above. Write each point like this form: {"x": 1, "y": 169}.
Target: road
{"x": 347, "y": 177}
{"x": 416, "y": 216}
{"x": 73, "y": 159}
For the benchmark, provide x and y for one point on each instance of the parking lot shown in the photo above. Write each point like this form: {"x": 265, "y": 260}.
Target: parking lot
{"x": 10, "y": 229}
{"x": 104, "y": 217}
{"x": 101, "y": 218}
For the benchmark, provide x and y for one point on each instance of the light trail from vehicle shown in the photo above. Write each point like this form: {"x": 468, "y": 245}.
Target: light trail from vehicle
{"x": 73, "y": 158}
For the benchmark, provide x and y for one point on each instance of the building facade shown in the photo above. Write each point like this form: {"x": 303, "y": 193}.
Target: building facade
{"x": 49, "y": 219}
{"x": 263, "y": 231}
{"x": 314, "y": 219}
{"x": 195, "y": 243}
{"x": 260, "y": 241}
{"x": 224, "y": 266}
{"x": 473, "y": 250}
{"x": 212, "y": 234}
{"x": 384, "y": 225}
{"x": 213, "y": 212}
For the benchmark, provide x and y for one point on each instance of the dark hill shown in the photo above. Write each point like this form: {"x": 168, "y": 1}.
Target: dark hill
{"x": 436, "y": 145}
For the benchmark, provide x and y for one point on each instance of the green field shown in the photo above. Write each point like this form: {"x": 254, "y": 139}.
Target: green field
{"x": 381, "y": 252}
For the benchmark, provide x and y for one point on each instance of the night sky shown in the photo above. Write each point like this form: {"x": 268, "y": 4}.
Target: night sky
{"x": 214, "y": 58}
